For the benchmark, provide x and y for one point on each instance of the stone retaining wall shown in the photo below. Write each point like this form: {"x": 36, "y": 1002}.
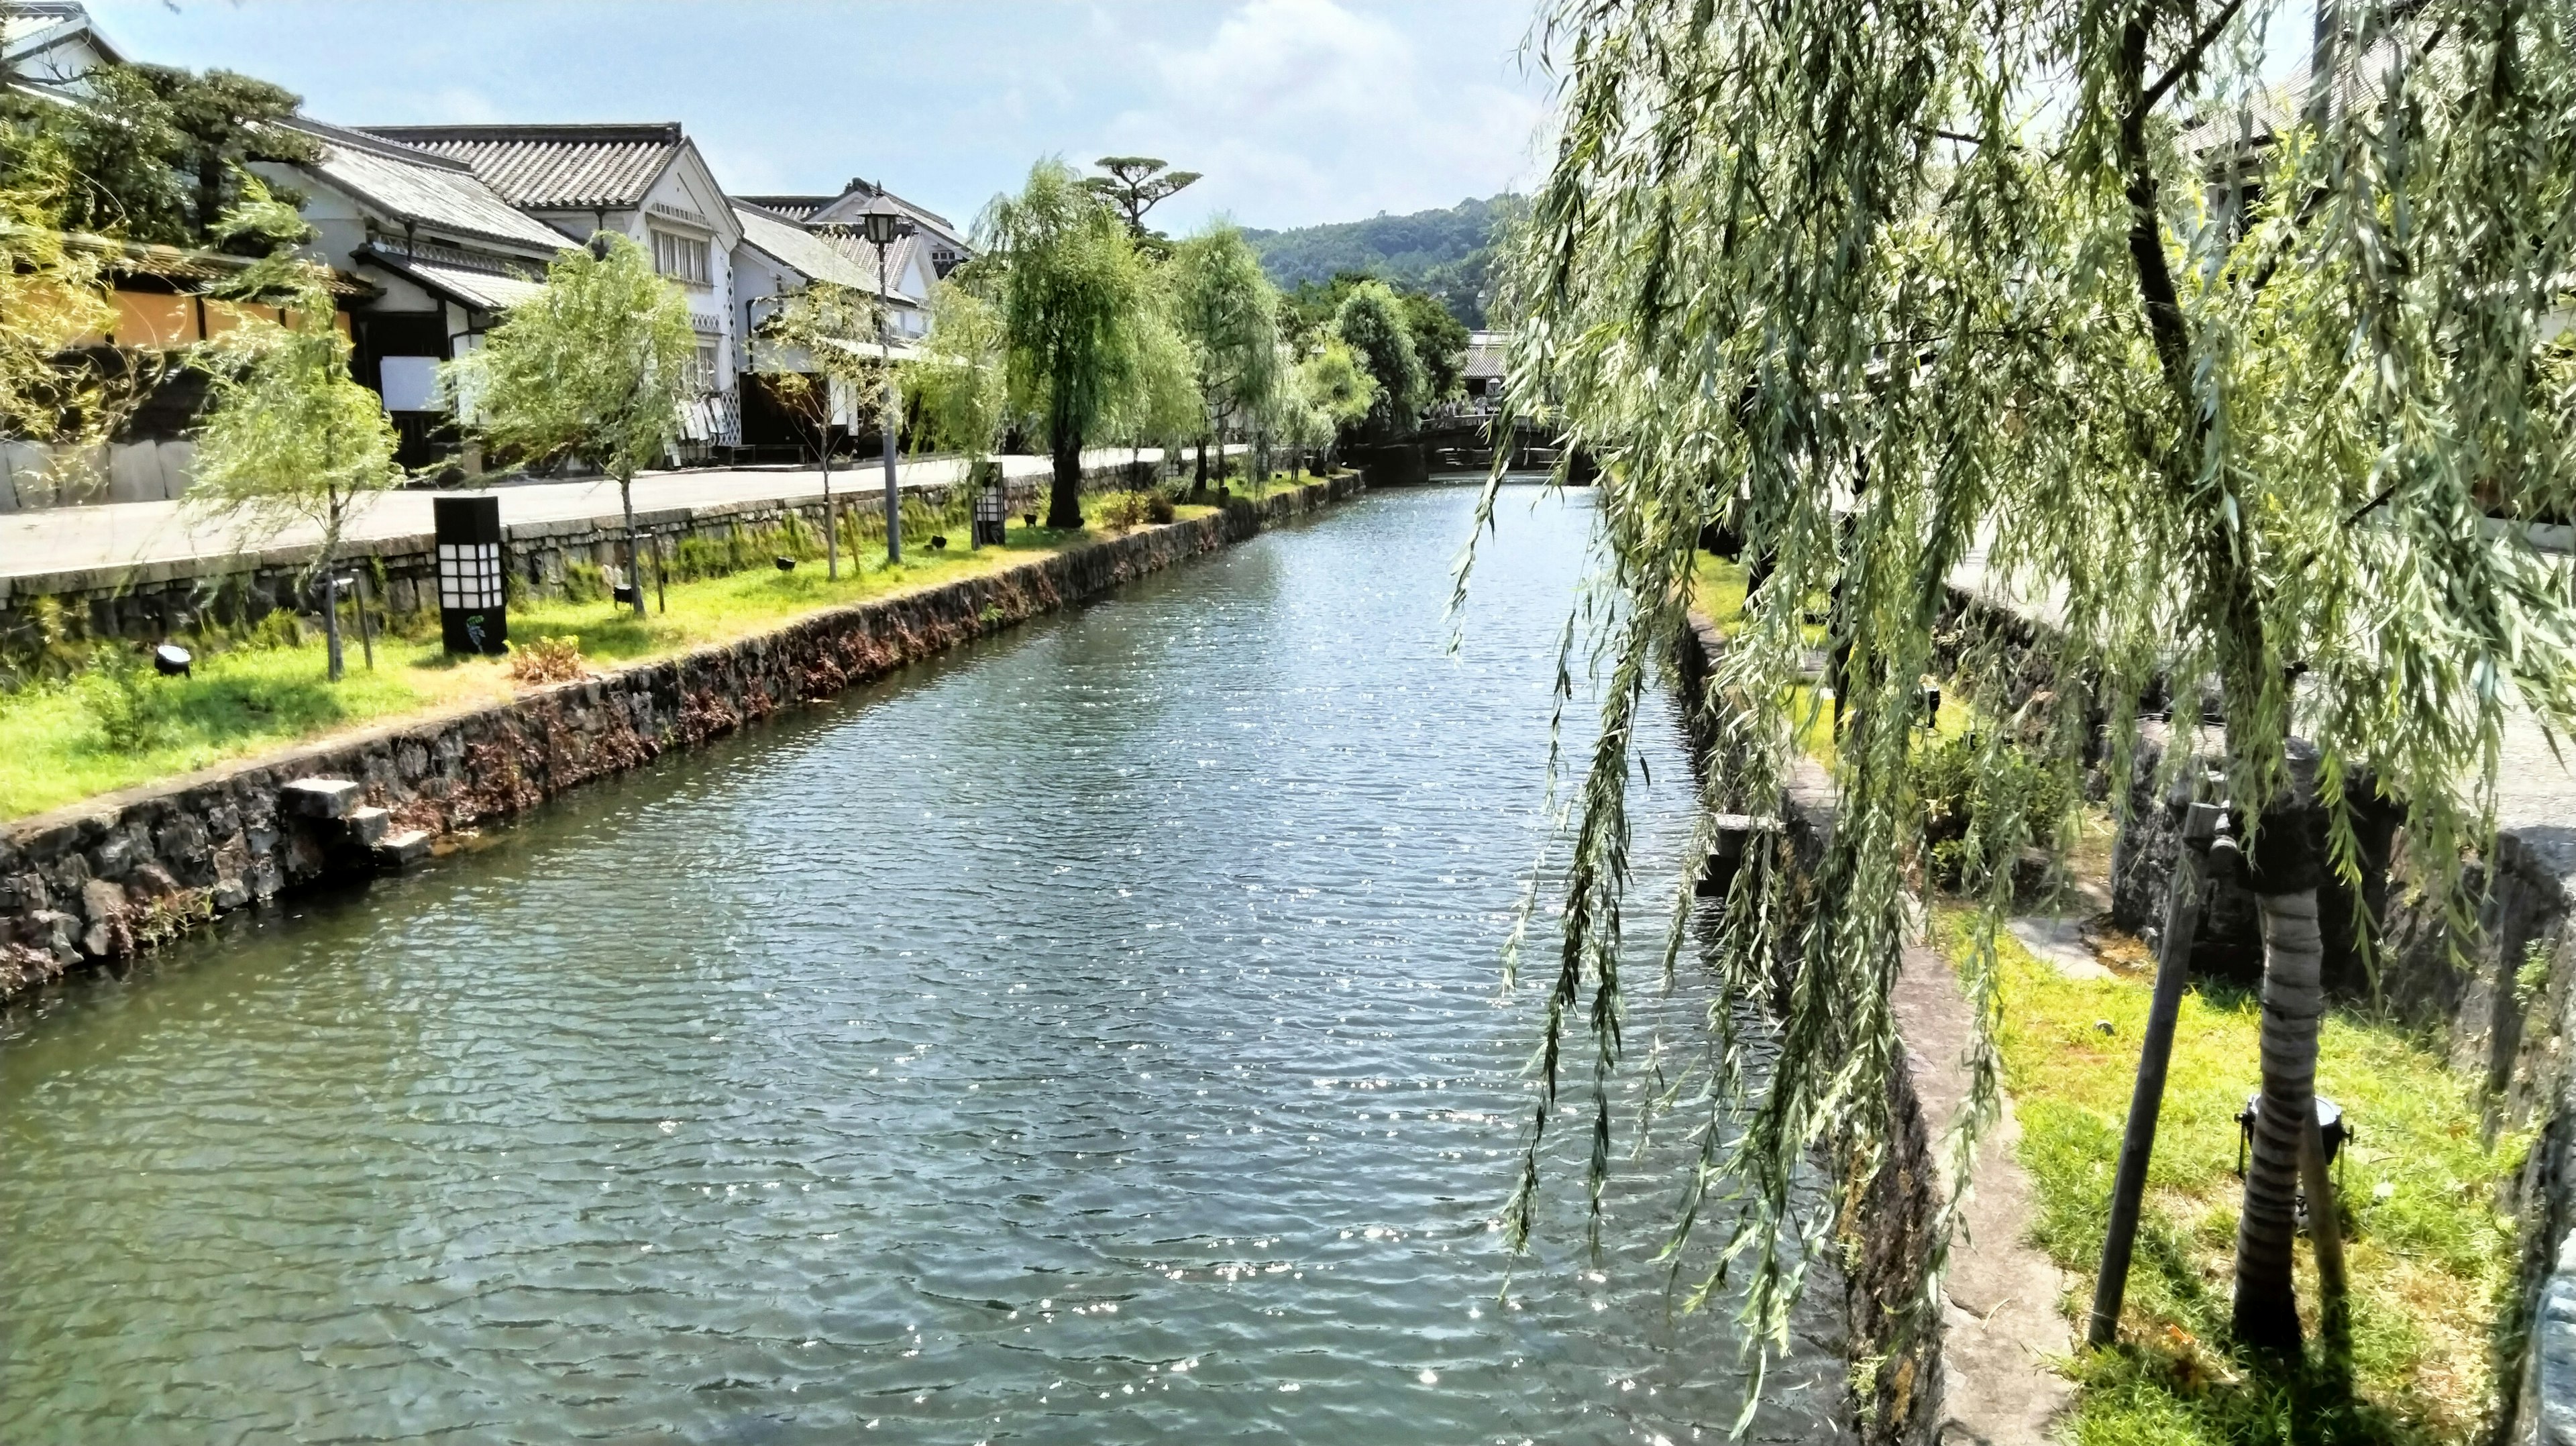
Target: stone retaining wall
{"x": 97, "y": 880}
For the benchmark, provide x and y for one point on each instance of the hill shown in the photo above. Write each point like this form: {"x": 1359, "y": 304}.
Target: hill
{"x": 1445, "y": 252}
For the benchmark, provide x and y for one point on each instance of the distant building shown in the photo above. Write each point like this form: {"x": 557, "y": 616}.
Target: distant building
{"x": 1483, "y": 374}
{"x": 647, "y": 182}
{"x": 778, "y": 257}
{"x": 942, "y": 244}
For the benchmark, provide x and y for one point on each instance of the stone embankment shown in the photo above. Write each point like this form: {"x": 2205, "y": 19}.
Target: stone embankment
{"x": 1981, "y": 1373}
{"x": 100, "y": 879}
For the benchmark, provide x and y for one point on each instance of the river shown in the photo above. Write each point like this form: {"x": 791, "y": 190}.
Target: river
{"x": 1089, "y": 1036}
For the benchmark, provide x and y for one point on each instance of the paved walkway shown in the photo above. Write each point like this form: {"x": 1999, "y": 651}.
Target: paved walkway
{"x": 59, "y": 549}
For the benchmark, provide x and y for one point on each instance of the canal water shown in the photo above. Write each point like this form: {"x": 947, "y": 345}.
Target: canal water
{"x": 1091, "y": 1036}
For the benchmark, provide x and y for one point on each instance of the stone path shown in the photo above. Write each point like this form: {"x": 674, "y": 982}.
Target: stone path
{"x": 1999, "y": 1319}
{"x": 62, "y": 549}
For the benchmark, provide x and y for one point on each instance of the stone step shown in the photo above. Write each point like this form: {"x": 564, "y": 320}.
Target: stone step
{"x": 369, "y": 825}
{"x": 323, "y": 798}
{"x": 402, "y": 850}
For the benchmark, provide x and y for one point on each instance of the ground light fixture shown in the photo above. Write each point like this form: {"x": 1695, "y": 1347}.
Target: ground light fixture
{"x": 883, "y": 225}
{"x": 472, "y": 616}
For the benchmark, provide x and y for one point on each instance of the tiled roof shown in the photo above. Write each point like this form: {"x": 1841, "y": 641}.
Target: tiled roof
{"x": 565, "y": 167}
{"x": 409, "y": 184}
{"x": 818, "y": 258}
{"x": 794, "y": 208}
{"x": 484, "y": 290}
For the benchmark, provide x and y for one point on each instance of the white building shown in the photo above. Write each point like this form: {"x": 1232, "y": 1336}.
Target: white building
{"x": 446, "y": 252}
{"x": 52, "y": 43}
{"x": 647, "y": 182}
{"x": 941, "y": 244}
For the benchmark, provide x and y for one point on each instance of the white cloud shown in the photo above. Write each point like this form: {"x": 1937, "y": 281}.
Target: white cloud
{"x": 1303, "y": 110}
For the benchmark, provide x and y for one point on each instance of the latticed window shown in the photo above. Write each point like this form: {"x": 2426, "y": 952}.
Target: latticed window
{"x": 469, "y": 575}
{"x": 682, "y": 258}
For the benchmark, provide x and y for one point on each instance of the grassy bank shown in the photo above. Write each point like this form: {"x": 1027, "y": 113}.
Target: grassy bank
{"x": 2427, "y": 1252}
{"x": 109, "y": 729}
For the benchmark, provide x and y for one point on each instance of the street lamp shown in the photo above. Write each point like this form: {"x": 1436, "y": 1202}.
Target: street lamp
{"x": 883, "y": 225}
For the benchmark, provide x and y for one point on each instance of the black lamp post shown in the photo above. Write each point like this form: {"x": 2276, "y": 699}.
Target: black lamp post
{"x": 882, "y": 225}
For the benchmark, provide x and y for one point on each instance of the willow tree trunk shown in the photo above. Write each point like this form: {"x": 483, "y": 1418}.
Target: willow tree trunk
{"x": 2285, "y": 894}
{"x": 1064, "y": 498}
{"x": 1203, "y": 477}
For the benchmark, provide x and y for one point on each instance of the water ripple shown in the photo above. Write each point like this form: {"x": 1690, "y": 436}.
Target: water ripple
{"x": 1087, "y": 1037}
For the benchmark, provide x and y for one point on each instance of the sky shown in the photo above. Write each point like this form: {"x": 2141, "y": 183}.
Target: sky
{"x": 1298, "y": 111}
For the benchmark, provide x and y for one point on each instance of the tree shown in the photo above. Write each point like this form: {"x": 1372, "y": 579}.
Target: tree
{"x": 1072, "y": 289}
{"x": 119, "y": 151}
{"x": 960, "y": 383}
{"x": 157, "y": 151}
{"x": 1228, "y": 313}
{"x": 2242, "y": 434}
{"x": 1161, "y": 405}
{"x": 53, "y": 295}
{"x": 288, "y": 435}
{"x": 1135, "y": 185}
{"x": 824, "y": 326}
{"x": 222, "y": 119}
{"x": 1372, "y": 321}
{"x": 1440, "y": 340}
{"x": 594, "y": 367}
{"x": 1334, "y": 393}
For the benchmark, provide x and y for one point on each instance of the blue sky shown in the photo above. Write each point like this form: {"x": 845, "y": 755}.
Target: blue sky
{"x": 1298, "y": 110}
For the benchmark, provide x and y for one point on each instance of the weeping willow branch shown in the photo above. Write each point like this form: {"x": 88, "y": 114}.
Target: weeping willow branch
{"x": 2184, "y": 447}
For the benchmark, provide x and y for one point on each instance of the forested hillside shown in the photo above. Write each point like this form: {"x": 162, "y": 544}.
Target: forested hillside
{"x": 1445, "y": 253}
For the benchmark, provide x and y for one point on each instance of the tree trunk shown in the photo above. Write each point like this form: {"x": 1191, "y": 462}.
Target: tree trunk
{"x": 210, "y": 194}
{"x": 1064, "y": 499}
{"x": 2285, "y": 888}
{"x": 331, "y": 623}
{"x": 1203, "y": 477}
{"x": 831, "y": 515}
{"x": 634, "y": 554}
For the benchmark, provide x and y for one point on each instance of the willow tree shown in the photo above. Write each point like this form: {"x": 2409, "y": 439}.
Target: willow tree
{"x": 958, "y": 382}
{"x": 826, "y": 327}
{"x": 2238, "y": 397}
{"x": 1072, "y": 289}
{"x": 1334, "y": 392}
{"x": 288, "y": 435}
{"x": 594, "y": 367}
{"x": 53, "y": 296}
{"x": 1229, "y": 313}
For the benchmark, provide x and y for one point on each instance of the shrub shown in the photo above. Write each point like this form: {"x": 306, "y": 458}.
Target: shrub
{"x": 122, "y": 694}
{"x": 546, "y": 660}
{"x": 1956, "y": 775}
{"x": 584, "y": 582}
{"x": 1120, "y": 511}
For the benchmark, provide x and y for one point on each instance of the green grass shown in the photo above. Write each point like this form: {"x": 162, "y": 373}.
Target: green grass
{"x": 2428, "y": 1255}
{"x": 1717, "y": 589}
{"x": 249, "y": 699}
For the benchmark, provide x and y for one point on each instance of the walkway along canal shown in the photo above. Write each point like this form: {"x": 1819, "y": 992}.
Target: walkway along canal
{"x": 1087, "y": 1036}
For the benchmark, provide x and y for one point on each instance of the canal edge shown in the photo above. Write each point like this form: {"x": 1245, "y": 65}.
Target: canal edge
{"x": 1985, "y": 1374}
{"x": 100, "y": 880}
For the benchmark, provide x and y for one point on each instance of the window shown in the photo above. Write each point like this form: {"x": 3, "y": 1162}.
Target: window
{"x": 682, "y": 258}
{"x": 469, "y": 575}
{"x": 703, "y": 374}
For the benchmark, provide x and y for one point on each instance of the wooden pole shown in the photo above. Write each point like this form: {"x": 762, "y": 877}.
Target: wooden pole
{"x": 2325, "y": 1237}
{"x": 2201, "y": 826}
